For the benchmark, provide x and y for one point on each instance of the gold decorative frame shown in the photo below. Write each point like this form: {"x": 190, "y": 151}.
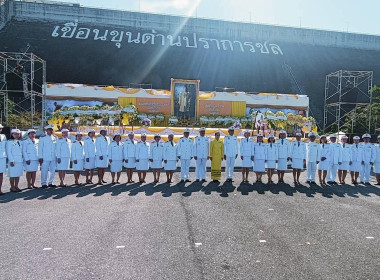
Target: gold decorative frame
{"x": 183, "y": 81}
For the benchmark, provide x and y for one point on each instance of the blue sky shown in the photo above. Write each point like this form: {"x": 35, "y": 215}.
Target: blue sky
{"x": 340, "y": 15}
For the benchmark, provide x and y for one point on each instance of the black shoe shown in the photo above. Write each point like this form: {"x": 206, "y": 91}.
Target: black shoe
{"x": 215, "y": 181}
{"x": 52, "y": 186}
{"x": 188, "y": 180}
{"x": 44, "y": 186}
{"x": 182, "y": 181}
{"x": 197, "y": 180}
{"x": 313, "y": 182}
{"x": 204, "y": 180}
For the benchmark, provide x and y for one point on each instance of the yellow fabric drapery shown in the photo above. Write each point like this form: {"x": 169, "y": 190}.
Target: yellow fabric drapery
{"x": 238, "y": 108}
{"x": 125, "y": 101}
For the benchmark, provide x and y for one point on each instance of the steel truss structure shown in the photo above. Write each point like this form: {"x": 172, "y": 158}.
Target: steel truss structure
{"x": 346, "y": 91}
{"x": 31, "y": 70}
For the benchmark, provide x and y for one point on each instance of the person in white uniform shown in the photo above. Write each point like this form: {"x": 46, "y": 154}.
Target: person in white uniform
{"x": 356, "y": 160}
{"x": 324, "y": 161}
{"x": 377, "y": 161}
{"x": 101, "y": 160}
{"x": 129, "y": 151}
{"x": 283, "y": 146}
{"x": 89, "y": 154}
{"x": 344, "y": 159}
{"x": 272, "y": 157}
{"x": 246, "y": 154}
{"x": 3, "y": 156}
{"x": 313, "y": 151}
{"x": 156, "y": 157}
{"x": 368, "y": 159}
{"x": 77, "y": 156}
{"x": 63, "y": 156}
{"x": 298, "y": 157}
{"x": 259, "y": 158}
{"x": 185, "y": 154}
{"x": 170, "y": 158}
{"x": 142, "y": 158}
{"x": 231, "y": 148}
{"x": 30, "y": 155}
{"x": 335, "y": 151}
{"x": 201, "y": 151}
{"x": 47, "y": 156}
{"x": 15, "y": 160}
{"x": 116, "y": 157}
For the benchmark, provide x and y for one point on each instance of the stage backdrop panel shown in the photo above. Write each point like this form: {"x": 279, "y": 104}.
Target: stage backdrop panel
{"x": 238, "y": 108}
{"x": 125, "y": 101}
{"x": 154, "y": 105}
{"x": 215, "y": 108}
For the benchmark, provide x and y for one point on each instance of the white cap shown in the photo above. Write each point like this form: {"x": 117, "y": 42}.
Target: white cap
{"x": 131, "y": 133}
{"x": 91, "y": 130}
{"x": 259, "y": 135}
{"x": 78, "y": 133}
{"x": 312, "y": 134}
{"x": 49, "y": 126}
{"x": 202, "y": 129}
{"x": 246, "y": 131}
{"x": 102, "y": 129}
{"x": 65, "y": 130}
{"x": 344, "y": 137}
{"x": 366, "y": 135}
{"x": 270, "y": 136}
{"x": 356, "y": 138}
{"x": 157, "y": 135}
{"x": 1, "y": 126}
{"x": 186, "y": 130}
{"x": 282, "y": 131}
{"x": 143, "y": 134}
{"x": 15, "y": 130}
{"x": 333, "y": 135}
{"x": 299, "y": 134}
{"x": 322, "y": 136}
{"x": 231, "y": 128}
{"x": 30, "y": 130}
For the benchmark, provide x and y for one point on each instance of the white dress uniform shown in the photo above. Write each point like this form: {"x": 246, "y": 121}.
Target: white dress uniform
{"x": 142, "y": 155}
{"x": 89, "y": 152}
{"x": 324, "y": 152}
{"x": 345, "y": 157}
{"x": 230, "y": 151}
{"x": 356, "y": 157}
{"x": 14, "y": 152}
{"x": 185, "y": 151}
{"x": 246, "y": 151}
{"x": 170, "y": 155}
{"x": 30, "y": 153}
{"x": 77, "y": 153}
{"x": 335, "y": 151}
{"x": 377, "y": 159}
{"x": 115, "y": 152}
{"x": 272, "y": 155}
{"x": 64, "y": 153}
{"x": 260, "y": 156}
{"x": 201, "y": 151}
{"x": 368, "y": 157}
{"x": 297, "y": 154}
{"x": 283, "y": 146}
{"x": 101, "y": 145}
{"x": 47, "y": 152}
{"x": 313, "y": 151}
{"x": 156, "y": 154}
{"x": 129, "y": 151}
{"x": 3, "y": 153}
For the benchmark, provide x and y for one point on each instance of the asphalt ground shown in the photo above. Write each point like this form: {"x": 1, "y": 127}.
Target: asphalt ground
{"x": 191, "y": 231}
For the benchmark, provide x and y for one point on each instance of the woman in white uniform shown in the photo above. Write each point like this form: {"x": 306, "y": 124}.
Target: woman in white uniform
{"x": 324, "y": 162}
{"x": 101, "y": 161}
{"x": 3, "y": 156}
{"x": 246, "y": 154}
{"x": 129, "y": 151}
{"x": 259, "y": 158}
{"x": 115, "y": 157}
{"x": 272, "y": 157}
{"x": 142, "y": 158}
{"x": 377, "y": 161}
{"x": 63, "y": 156}
{"x": 77, "y": 156}
{"x": 156, "y": 157}
{"x": 344, "y": 159}
{"x": 14, "y": 152}
{"x": 170, "y": 158}
{"x": 89, "y": 153}
{"x": 30, "y": 155}
{"x": 356, "y": 160}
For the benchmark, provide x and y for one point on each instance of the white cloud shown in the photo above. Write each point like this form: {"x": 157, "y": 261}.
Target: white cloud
{"x": 162, "y": 5}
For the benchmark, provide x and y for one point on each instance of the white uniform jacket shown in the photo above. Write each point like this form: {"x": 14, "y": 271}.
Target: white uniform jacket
{"x": 201, "y": 147}
{"x": 313, "y": 151}
{"x": 101, "y": 145}
{"x": 89, "y": 147}
{"x": 169, "y": 151}
{"x": 3, "y": 146}
{"x": 142, "y": 150}
{"x": 345, "y": 153}
{"x": 283, "y": 146}
{"x": 156, "y": 151}
{"x": 335, "y": 151}
{"x": 260, "y": 150}
{"x": 77, "y": 150}
{"x": 298, "y": 150}
{"x": 63, "y": 148}
{"x": 129, "y": 149}
{"x": 14, "y": 151}
{"x": 230, "y": 146}
{"x": 368, "y": 153}
{"x": 356, "y": 152}
{"x": 115, "y": 151}
{"x": 185, "y": 148}
{"x": 246, "y": 147}
{"x": 30, "y": 149}
{"x": 272, "y": 151}
{"x": 47, "y": 147}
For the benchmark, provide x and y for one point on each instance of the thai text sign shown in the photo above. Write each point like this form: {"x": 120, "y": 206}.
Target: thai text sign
{"x": 154, "y": 105}
{"x": 214, "y": 108}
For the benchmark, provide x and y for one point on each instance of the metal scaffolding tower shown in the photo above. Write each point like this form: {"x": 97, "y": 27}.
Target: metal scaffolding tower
{"x": 30, "y": 70}
{"x": 346, "y": 91}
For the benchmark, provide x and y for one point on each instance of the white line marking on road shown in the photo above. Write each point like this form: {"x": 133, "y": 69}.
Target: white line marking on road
{"x": 270, "y": 209}
{"x": 47, "y": 249}
{"x": 263, "y": 241}
{"x": 258, "y": 261}
{"x": 120, "y": 247}
{"x": 197, "y": 244}
{"x": 370, "y": 237}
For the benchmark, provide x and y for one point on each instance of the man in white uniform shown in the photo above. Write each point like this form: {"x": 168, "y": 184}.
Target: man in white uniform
{"x": 89, "y": 155}
{"x": 312, "y": 158}
{"x": 230, "y": 153}
{"x": 129, "y": 151}
{"x": 185, "y": 154}
{"x": 368, "y": 159}
{"x": 47, "y": 156}
{"x": 283, "y": 146}
{"x": 335, "y": 152}
{"x": 3, "y": 156}
{"x": 298, "y": 157}
{"x": 101, "y": 160}
{"x": 201, "y": 151}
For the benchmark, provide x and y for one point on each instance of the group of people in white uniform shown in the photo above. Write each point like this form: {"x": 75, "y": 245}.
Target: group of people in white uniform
{"x": 89, "y": 153}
